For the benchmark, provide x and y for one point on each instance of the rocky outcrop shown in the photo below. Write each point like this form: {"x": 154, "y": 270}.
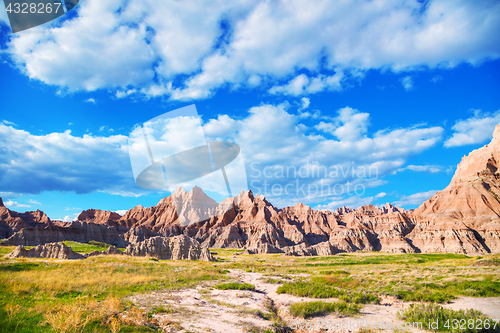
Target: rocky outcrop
{"x": 175, "y": 248}
{"x": 112, "y": 250}
{"x": 99, "y": 217}
{"x": 11, "y": 221}
{"x": 465, "y": 216}
{"x": 76, "y": 231}
{"x": 52, "y": 250}
{"x": 462, "y": 218}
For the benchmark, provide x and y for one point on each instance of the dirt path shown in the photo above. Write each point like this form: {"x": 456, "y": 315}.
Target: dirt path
{"x": 206, "y": 309}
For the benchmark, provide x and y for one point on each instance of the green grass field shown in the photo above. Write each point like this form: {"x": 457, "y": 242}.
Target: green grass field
{"x": 39, "y": 295}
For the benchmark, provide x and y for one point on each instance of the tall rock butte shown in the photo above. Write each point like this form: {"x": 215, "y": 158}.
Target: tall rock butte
{"x": 467, "y": 212}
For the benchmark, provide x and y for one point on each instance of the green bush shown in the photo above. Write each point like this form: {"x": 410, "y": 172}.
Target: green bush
{"x": 311, "y": 309}
{"x": 425, "y": 295}
{"x": 309, "y": 289}
{"x": 467, "y": 321}
{"x": 235, "y": 286}
{"x": 325, "y": 290}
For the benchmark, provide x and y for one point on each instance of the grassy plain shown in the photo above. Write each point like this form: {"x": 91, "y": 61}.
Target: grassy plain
{"x": 39, "y": 295}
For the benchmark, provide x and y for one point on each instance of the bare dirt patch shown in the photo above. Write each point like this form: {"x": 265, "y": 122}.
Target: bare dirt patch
{"x": 206, "y": 309}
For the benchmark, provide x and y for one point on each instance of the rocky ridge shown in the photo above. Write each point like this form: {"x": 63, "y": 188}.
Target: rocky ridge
{"x": 52, "y": 250}
{"x": 463, "y": 218}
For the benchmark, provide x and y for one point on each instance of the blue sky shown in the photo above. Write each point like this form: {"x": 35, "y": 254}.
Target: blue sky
{"x": 406, "y": 88}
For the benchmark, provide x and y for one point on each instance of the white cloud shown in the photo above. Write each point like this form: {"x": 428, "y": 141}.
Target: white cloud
{"x": 32, "y": 164}
{"x": 350, "y": 125}
{"x": 34, "y": 202}
{"x": 121, "y": 211}
{"x": 476, "y": 129}
{"x": 6, "y": 122}
{"x": 437, "y": 78}
{"x": 90, "y": 100}
{"x": 305, "y": 103}
{"x": 423, "y": 168}
{"x": 354, "y": 202}
{"x": 345, "y": 158}
{"x": 10, "y": 203}
{"x": 415, "y": 199}
{"x": 303, "y": 85}
{"x": 407, "y": 83}
{"x": 144, "y": 46}
{"x": 68, "y": 218}
{"x": 276, "y": 146}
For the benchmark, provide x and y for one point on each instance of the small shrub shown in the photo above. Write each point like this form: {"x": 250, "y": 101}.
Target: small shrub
{"x": 360, "y": 298}
{"x": 235, "y": 286}
{"x": 335, "y": 272}
{"x": 311, "y": 309}
{"x": 309, "y": 289}
{"x": 467, "y": 321}
{"x": 425, "y": 295}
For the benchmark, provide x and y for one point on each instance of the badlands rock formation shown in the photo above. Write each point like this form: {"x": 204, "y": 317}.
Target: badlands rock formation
{"x": 175, "y": 248}
{"x": 52, "y": 250}
{"x": 99, "y": 217}
{"x": 463, "y": 218}
{"x": 76, "y": 231}
{"x": 11, "y": 221}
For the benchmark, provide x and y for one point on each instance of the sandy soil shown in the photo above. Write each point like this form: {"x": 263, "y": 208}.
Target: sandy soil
{"x": 204, "y": 309}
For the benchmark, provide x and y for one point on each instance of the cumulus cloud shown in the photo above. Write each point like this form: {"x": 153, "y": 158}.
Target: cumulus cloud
{"x": 90, "y": 100}
{"x": 121, "y": 211}
{"x": 285, "y": 159}
{"x": 476, "y": 129}
{"x": 68, "y": 218}
{"x": 407, "y": 83}
{"x": 305, "y": 103}
{"x": 288, "y": 161}
{"x": 436, "y": 79}
{"x": 423, "y": 168}
{"x": 10, "y": 203}
{"x": 354, "y": 201}
{"x": 303, "y": 85}
{"x": 415, "y": 199}
{"x": 187, "y": 51}
{"x": 32, "y": 164}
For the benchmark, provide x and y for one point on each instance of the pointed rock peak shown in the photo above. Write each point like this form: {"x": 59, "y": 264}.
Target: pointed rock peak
{"x": 302, "y": 207}
{"x": 178, "y": 191}
{"x": 198, "y": 195}
{"x": 245, "y": 194}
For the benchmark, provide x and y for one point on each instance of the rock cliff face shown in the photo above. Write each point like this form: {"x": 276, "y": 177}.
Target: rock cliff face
{"x": 462, "y": 218}
{"x": 98, "y": 216}
{"x": 11, "y": 221}
{"x": 53, "y": 250}
{"x": 175, "y": 248}
{"x": 76, "y": 231}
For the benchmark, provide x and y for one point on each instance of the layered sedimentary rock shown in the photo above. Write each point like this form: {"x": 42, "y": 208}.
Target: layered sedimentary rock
{"x": 52, "y": 250}
{"x": 76, "y": 231}
{"x": 11, "y": 221}
{"x": 112, "y": 250}
{"x": 463, "y": 218}
{"x": 175, "y": 248}
{"x": 98, "y": 216}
